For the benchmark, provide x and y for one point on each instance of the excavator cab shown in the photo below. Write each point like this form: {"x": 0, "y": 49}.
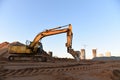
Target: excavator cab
{"x": 39, "y": 48}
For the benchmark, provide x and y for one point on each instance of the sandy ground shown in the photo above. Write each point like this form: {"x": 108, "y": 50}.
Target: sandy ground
{"x": 60, "y": 69}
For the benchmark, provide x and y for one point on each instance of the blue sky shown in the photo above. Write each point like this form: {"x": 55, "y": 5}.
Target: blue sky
{"x": 96, "y": 23}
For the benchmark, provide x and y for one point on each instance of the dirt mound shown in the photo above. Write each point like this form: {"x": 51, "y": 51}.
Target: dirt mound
{"x": 6, "y": 44}
{"x": 16, "y": 43}
{"x": 4, "y": 48}
{"x": 2, "y": 45}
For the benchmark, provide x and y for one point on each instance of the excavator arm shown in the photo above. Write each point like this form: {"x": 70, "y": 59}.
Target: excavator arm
{"x": 55, "y": 31}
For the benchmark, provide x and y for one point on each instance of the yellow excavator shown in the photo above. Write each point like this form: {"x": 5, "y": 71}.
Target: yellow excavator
{"x": 34, "y": 49}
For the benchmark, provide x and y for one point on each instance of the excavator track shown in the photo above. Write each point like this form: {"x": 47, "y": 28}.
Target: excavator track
{"x": 32, "y": 69}
{"x": 27, "y": 58}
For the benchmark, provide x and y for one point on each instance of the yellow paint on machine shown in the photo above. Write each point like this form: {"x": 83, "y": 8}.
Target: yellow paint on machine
{"x": 19, "y": 50}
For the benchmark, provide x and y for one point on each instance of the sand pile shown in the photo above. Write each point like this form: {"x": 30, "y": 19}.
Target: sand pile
{"x": 16, "y": 43}
{"x": 4, "y": 44}
{"x": 4, "y": 48}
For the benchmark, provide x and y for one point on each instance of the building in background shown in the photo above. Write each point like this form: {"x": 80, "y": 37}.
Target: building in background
{"x": 94, "y": 52}
{"x": 83, "y": 55}
{"x": 108, "y": 54}
{"x": 100, "y": 55}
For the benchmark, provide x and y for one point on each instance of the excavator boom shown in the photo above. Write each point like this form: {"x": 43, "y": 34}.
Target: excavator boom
{"x": 54, "y": 31}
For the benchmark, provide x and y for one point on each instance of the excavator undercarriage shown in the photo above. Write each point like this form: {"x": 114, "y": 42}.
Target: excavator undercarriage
{"x": 28, "y": 58}
{"x": 42, "y": 57}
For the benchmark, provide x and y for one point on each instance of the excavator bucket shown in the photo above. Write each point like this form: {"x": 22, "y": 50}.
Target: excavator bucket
{"x": 75, "y": 54}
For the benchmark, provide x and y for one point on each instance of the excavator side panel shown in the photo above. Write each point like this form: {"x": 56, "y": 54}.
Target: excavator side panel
{"x": 19, "y": 50}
